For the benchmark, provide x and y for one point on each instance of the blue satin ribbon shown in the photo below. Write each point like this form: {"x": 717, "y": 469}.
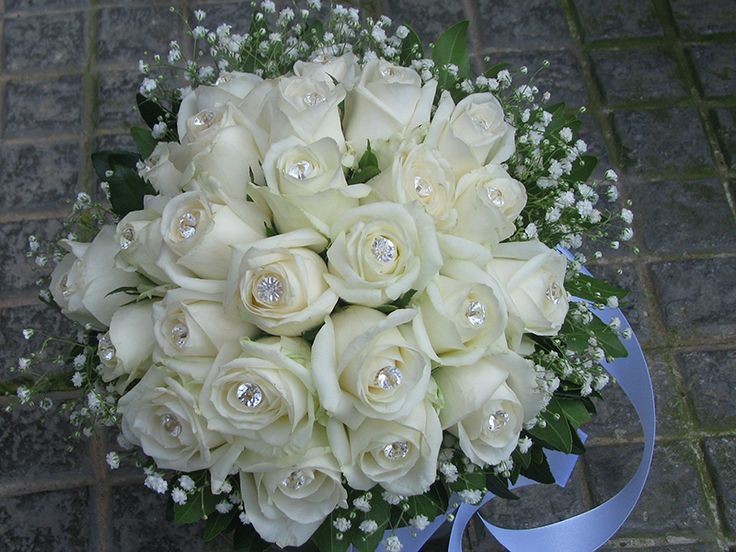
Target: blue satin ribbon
{"x": 590, "y": 530}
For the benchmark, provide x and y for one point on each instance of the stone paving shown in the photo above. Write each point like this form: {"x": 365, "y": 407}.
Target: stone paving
{"x": 659, "y": 80}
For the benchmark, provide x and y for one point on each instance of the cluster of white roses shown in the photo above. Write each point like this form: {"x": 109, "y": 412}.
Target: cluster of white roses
{"x": 370, "y": 396}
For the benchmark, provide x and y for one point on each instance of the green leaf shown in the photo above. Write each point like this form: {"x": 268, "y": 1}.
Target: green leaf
{"x": 144, "y": 141}
{"x": 411, "y": 47}
{"x": 499, "y": 487}
{"x": 246, "y": 539}
{"x": 556, "y": 433}
{"x": 452, "y": 48}
{"x": 577, "y": 444}
{"x": 380, "y": 513}
{"x": 104, "y": 161}
{"x": 217, "y": 523}
{"x": 576, "y": 337}
{"x": 574, "y": 411}
{"x": 127, "y": 190}
{"x": 152, "y": 112}
{"x": 401, "y": 303}
{"x": 539, "y": 470}
{"x": 326, "y": 536}
{"x": 582, "y": 168}
{"x": 593, "y": 289}
{"x": 128, "y": 290}
{"x": 367, "y": 167}
{"x": 198, "y": 505}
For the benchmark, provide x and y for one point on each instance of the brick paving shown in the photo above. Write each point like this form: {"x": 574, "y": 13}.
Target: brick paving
{"x": 659, "y": 80}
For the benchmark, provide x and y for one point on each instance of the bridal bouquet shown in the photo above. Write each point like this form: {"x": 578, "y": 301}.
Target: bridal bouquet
{"x": 324, "y": 300}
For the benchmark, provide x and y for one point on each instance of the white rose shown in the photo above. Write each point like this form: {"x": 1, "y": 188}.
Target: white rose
{"x": 164, "y": 168}
{"x": 472, "y": 133}
{"x": 419, "y": 173}
{"x": 138, "y": 235}
{"x": 224, "y": 164}
{"x": 81, "y": 283}
{"x": 200, "y": 108}
{"x": 325, "y": 65}
{"x": 366, "y": 367}
{"x": 278, "y": 283}
{"x": 160, "y": 414}
{"x": 400, "y": 455}
{"x": 481, "y": 409}
{"x": 533, "y": 276}
{"x": 387, "y": 99}
{"x": 287, "y": 500}
{"x": 199, "y": 235}
{"x": 190, "y": 323}
{"x": 306, "y": 185}
{"x": 380, "y": 251}
{"x": 462, "y": 313}
{"x": 261, "y": 392}
{"x": 126, "y": 348}
{"x": 305, "y": 108}
{"x": 488, "y": 201}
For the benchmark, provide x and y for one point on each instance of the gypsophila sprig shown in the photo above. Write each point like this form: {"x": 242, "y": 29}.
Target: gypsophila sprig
{"x": 324, "y": 295}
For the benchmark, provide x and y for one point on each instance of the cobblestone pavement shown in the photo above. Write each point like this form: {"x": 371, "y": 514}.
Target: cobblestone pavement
{"x": 659, "y": 80}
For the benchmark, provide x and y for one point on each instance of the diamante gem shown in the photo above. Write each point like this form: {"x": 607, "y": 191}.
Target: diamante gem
{"x": 388, "y": 72}
{"x": 204, "y": 119}
{"x": 269, "y": 289}
{"x": 313, "y": 98}
{"x": 127, "y": 237}
{"x": 171, "y": 424}
{"x": 227, "y": 77}
{"x": 389, "y": 377}
{"x": 295, "y": 480}
{"x": 188, "y": 224}
{"x": 554, "y": 293}
{"x": 495, "y": 196}
{"x": 475, "y": 313}
{"x": 497, "y": 420}
{"x": 179, "y": 333}
{"x": 249, "y": 394}
{"x": 300, "y": 170}
{"x": 422, "y": 187}
{"x": 396, "y": 450}
{"x": 383, "y": 249}
{"x": 480, "y": 122}
{"x": 105, "y": 348}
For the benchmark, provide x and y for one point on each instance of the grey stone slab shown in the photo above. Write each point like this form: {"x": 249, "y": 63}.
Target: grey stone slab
{"x": 537, "y": 505}
{"x": 715, "y": 67}
{"x": 44, "y": 41}
{"x": 684, "y": 216}
{"x": 698, "y": 547}
{"x": 140, "y": 525}
{"x": 37, "y": 107}
{"x": 635, "y": 305}
{"x": 33, "y": 445}
{"x": 508, "y": 24}
{"x": 51, "y": 521}
{"x": 19, "y": 273}
{"x": 22, "y": 5}
{"x": 634, "y": 75}
{"x": 720, "y": 454}
{"x": 617, "y": 419}
{"x": 710, "y": 377}
{"x": 697, "y": 297}
{"x": 613, "y": 19}
{"x": 725, "y": 119}
{"x": 659, "y": 141}
{"x": 44, "y": 321}
{"x": 124, "y": 33}
{"x": 35, "y": 176}
{"x": 429, "y": 18}
{"x": 116, "y": 107}
{"x": 695, "y": 17}
{"x": 115, "y": 142}
{"x": 672, "y": 499}
{"x": 562, "y": 79}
